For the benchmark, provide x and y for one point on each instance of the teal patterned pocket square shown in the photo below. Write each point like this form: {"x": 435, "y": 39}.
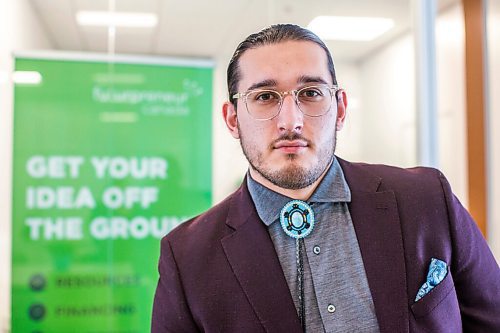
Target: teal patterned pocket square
{"x": 437, "y": 272}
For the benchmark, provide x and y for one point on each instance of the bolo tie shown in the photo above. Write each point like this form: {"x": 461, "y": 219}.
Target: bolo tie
{"x": 297, "y": 221}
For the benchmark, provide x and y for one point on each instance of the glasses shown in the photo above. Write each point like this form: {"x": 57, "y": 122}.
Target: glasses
{"x": 265, "y": 104}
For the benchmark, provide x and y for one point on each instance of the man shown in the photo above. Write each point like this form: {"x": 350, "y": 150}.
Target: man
{"x": 310, "y": 242}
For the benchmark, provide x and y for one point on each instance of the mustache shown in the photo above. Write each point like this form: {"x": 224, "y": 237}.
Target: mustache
{"x": 291, "y": 136}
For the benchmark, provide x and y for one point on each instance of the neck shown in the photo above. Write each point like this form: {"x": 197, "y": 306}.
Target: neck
{"x": 299, "y": 194}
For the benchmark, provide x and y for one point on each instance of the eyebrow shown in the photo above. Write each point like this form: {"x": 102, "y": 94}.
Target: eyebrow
{"x": 273, "y": 83}
{"x": 311, "y": 79}
{"x": 262, "y": 84}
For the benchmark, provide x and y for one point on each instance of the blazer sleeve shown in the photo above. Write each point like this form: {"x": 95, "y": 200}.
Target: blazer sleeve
{"x": 475, "y": 272}
{"x": 170, "y": 309}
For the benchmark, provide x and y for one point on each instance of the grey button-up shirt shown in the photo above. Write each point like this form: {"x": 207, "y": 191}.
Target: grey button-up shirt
{"x": 336, "y": 293}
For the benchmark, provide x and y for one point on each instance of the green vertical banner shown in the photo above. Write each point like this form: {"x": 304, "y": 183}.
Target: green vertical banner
{"x": 108, "y": 158}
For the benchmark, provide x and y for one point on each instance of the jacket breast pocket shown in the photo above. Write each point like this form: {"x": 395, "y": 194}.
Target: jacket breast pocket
{"x": 441, "y": 296}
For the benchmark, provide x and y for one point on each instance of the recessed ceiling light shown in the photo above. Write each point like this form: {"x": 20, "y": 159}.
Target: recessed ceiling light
{"x": 106, "y": 19}
{"x": 27, "y": 77}
{"x": 350, "y": 28}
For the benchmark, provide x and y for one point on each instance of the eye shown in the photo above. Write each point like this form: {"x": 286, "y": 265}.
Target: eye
{"x": 264, "y": 96}
{"x": 311, "y": 93}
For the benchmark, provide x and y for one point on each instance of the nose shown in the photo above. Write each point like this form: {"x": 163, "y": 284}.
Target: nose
{"x": 290, "y": 118}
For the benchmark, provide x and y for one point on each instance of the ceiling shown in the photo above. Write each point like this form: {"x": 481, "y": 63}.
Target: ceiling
{"x": 212, "y": 29}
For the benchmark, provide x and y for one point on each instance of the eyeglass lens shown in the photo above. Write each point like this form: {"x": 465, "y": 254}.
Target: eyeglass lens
{"x": 312, "y": 101}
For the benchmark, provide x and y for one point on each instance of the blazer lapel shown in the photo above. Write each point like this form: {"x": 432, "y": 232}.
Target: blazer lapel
{"x": 376, "y": 222}
{"x": 250, "y": 252}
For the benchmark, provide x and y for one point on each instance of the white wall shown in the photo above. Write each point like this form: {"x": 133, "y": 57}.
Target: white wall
{"x": 20, "y": 30}
{"x": 388, "y": 119}
{"x": 389, "y": 122}
{"x": 349, "y": 144}
{"x": 493, "y": 58}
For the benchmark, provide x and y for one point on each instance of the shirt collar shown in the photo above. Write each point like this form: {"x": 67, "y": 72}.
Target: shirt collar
{"x": 332, "y": 188}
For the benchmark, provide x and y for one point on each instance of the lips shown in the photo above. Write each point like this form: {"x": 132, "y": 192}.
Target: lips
{"x": 290, "y": 144}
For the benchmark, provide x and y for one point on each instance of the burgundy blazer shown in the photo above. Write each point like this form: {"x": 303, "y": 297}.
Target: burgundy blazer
{"x": 219, "y": 272}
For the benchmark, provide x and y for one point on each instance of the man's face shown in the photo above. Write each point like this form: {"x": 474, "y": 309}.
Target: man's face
{"x": 291, "y": 150}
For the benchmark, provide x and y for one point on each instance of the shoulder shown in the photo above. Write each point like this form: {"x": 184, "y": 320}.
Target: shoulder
{"x": 209, "y": 222}
{"x": 202, "y": 234}
{"x": 397, "y": 179}
{"x": 422, "y": 195}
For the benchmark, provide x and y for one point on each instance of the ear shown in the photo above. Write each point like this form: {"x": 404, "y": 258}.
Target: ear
{"x": 341, "y": 108}
{"x": 231, "y": 119}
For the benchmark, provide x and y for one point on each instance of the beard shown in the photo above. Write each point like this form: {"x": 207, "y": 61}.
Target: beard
{"x": 292, "y": 175}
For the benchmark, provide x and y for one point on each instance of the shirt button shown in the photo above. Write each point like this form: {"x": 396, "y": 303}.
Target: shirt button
{"x": 316, "y": 250}
{"x": 331, "y": 308}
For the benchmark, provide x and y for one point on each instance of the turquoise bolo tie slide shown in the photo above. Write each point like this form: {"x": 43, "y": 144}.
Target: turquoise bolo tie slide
{"x": 297, "y": 219}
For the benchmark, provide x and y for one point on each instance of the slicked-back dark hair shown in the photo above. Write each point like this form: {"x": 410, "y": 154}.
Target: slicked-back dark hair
{"x": 272, "y": 35}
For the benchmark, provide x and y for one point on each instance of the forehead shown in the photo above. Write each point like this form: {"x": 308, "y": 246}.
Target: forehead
{"x": 284, "y": 63}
